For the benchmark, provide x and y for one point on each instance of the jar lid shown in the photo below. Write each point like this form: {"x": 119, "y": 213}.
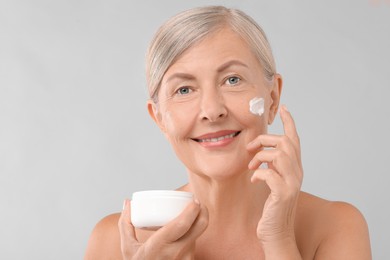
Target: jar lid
{"x": 161, "y": 193}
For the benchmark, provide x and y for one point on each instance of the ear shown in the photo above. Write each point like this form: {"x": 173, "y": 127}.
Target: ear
{"x": 155, "y": 114}
{"x": 276, "y": 92}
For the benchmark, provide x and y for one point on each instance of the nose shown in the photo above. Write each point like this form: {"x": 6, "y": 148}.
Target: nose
{"x": 212, "y": 107}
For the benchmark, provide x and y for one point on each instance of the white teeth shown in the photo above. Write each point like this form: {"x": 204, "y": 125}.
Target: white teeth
{"x": 217, "y": 139}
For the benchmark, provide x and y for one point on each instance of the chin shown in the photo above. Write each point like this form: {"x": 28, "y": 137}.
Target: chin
{"x": 220, "y": 171}
{"x": 216, "y": 164}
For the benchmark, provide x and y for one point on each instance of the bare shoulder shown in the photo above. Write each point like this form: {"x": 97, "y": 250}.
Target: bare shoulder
{"x": 336, "y": 230}
{"x": 104, "y": 242}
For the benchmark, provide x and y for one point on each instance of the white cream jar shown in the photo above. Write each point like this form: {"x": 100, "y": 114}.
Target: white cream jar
{"x": 155, "y": 208}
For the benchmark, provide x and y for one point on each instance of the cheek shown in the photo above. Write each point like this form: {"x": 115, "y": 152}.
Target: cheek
{"x": 178, "y": 122}
{"x": 240, "y": 104}
{"x": 240, "y": 109}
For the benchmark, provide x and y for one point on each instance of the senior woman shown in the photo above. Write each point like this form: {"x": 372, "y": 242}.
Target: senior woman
{"x": 204, "y": 66}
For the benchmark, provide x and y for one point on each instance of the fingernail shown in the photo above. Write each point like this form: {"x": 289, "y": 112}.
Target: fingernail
{"x": 253, "y": 178}
{"x": 124, "y": 204}
{"x": 285, "y": 108}
{"x": 250, "y": 145}
{"x": 196, "y": 201}
{"x": 250, "y": 164}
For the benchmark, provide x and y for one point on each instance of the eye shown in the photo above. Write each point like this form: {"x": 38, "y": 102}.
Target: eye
{"x": 233, "y": 80}
{"x": 183, "y": 91}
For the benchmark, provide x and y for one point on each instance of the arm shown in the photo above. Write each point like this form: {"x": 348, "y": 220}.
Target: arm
{"x": 283, "y": 176}
{"x": 114, "y": 237}
{"x": 346, "y": 235}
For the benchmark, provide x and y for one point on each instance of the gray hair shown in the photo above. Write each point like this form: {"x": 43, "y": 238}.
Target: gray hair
{"x": 189, "y": 27}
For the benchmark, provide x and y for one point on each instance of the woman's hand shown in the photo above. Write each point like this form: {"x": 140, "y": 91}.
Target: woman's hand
{"x": 284, "y": 178}
{"x": 176, "y": 240}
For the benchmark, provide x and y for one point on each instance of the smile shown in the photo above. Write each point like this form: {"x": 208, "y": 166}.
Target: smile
{"x": 216, "y": 139}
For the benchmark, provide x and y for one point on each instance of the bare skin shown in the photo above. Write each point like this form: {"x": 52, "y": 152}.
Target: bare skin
{"x": 241, "y": 211}
{"x": 324, "y": 230}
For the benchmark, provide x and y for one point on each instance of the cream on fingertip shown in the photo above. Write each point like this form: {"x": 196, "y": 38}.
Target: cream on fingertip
{"x": 264, "y": 165}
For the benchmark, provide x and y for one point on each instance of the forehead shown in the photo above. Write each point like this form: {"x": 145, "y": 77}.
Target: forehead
{"x": 216, "y": 48}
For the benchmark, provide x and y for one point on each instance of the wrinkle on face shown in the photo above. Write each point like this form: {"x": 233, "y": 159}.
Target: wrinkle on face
{"x": 204, "y": 68}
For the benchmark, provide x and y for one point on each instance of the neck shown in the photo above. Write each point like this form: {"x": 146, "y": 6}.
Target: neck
{"x": 235, "y": 202}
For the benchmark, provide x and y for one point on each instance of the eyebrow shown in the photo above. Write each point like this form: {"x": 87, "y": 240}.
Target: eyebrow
{"x": 230, "y": 63}
{"x": 180, "y": 75}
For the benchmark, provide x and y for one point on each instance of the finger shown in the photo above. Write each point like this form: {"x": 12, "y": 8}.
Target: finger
{"x": 289, "y": 124}
{"x": 280, "y": 162}
{"x": 271, "y": 177}
{"x": 126, "y": 229}
{"x": 278, "y": 158}
{"x": 179, "y": 226}
{"x": 198, "y": 227}
{"x": 274, "y": 141}
{"x": 259, "y": 158}
{"x": 261, "y": 141}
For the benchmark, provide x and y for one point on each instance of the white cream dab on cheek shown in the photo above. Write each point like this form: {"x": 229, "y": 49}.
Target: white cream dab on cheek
{"x": 256, "y": 106}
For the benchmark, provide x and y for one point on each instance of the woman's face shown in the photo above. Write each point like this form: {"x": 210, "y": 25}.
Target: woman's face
{"x": 203, "y": 105}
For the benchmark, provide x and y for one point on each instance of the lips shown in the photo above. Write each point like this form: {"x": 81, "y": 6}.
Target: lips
{"x": 216, "y": 137}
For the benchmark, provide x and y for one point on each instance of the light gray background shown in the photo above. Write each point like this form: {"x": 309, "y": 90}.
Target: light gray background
{"x": 75, "y": 137}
